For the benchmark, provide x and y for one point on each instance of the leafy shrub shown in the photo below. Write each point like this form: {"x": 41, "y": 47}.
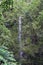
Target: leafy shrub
{"x": 6, "y": 57}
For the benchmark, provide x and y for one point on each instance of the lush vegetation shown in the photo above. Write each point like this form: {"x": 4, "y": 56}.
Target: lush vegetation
{"x": 6, "y": 57}
{"x": 32, "y": 31}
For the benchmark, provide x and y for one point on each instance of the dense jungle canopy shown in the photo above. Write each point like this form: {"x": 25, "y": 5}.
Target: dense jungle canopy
{"x": 31, "y": 12}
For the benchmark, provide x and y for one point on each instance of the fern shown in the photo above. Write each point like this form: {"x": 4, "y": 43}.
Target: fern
{"x": 6, "y": 57}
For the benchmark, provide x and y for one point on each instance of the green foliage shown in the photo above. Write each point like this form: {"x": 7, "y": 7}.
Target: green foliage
{"x": 7, "y": 4}
{"x": 32, "y": 24}
{"x": 6, "y": 57}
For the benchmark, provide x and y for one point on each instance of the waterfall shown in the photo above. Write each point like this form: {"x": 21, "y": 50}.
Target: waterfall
{"x": 20, "y": 43}
{"x": 20, "y": 30}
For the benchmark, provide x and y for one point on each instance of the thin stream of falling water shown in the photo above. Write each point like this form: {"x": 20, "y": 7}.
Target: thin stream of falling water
{"x": 20, "y": 44}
